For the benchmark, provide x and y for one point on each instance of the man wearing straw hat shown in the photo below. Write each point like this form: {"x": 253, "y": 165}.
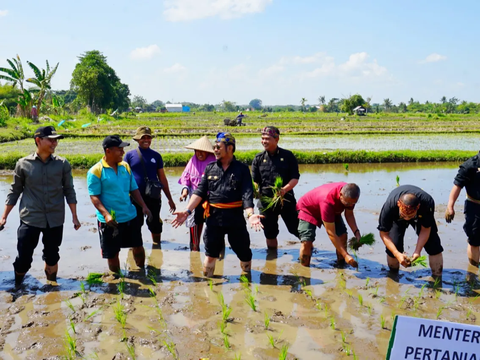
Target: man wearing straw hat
{"x": 147, "y": 168}
{"x": 267, "y": 166}
{"x": 191, "y": 177}
{"x": 226, "y": 189}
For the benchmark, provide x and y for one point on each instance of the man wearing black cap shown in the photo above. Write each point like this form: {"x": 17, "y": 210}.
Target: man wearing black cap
{"x": 44, "y": 180}
{"x": 267, "y": 166}
{"x": 110, "y": 184}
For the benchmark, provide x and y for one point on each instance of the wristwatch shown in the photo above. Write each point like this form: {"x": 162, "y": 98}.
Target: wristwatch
{"x": 249, "y": 215}
{"x": 188, "y": 211}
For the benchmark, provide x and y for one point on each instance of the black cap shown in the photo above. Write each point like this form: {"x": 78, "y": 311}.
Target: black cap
{"x": 114, "y": 140}
{"x": 48, "y": 132}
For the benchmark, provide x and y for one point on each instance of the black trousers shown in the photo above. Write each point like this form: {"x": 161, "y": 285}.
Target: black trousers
{"x": 154, "y": 205}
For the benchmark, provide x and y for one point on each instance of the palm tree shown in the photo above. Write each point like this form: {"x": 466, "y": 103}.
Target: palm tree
{"x": 42, "y": 80}
{"x": 303, "y": 101}
{"x": 321, "y": 99}
{"x": 443, "y": 100}
{"x": 387, "y": 104}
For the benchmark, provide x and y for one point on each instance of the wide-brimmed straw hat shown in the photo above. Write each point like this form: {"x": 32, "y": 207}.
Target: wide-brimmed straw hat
{"x": 202, "y": 144}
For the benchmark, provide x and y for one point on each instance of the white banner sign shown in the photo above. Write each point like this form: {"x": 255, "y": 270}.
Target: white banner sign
{"x": 422, "y": 339}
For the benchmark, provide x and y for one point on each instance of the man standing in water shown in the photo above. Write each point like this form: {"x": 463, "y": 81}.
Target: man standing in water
{"x": 44, "y": 180}
{"x": 266, "y": 167}
{"x": 226, "y": 188}
{"x": 410, "y": 205}
{"x": 148, "y": 164}
{"x": 468, "y": 176}
{"x": 324, "y": 206}
{"x": 110, "y": 184}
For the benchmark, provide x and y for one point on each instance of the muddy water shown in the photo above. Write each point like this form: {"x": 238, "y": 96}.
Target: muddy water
{"x": 306, "y": 143}
{"x": 310, "y": 309}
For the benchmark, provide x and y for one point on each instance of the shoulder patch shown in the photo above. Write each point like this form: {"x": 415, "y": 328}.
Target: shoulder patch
{"x": 96, "y": 170}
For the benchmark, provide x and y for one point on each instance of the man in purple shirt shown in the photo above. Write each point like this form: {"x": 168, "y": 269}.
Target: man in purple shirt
{"x": 152, "y": 168}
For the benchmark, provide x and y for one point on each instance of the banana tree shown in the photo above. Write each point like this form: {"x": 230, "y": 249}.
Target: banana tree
{"x": 42, "y": 80}
{"x": 25, "y": 101}
{"x": 15, "y": 75}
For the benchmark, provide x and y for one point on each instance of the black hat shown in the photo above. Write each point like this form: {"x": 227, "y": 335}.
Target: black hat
{"x": 48, "y": 132}
{"x": 114, "y": 140}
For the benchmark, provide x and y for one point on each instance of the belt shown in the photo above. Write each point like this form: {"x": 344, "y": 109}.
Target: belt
{"x": 232, "y": 205}
{"x": 469, "y": 198}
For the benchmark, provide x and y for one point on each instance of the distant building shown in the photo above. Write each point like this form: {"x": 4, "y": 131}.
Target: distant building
{"x": 360, "y": 110}
{"x": 177, "y": 108}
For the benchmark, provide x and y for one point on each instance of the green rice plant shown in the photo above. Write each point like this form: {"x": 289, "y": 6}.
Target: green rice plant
{"x": 250, "y": 300}
{"x": 152, "y": 292}
{"x": 438, "y": 293}
{"x": 369, "y": 309}
{"x": 94, "y": 279}
{"x": 226, "y": 310}
{"x": 308, "y": 292}
{"x": 367, "y": 281}
{"x": 355, "y": 357}
{"x": 151, "y": 276}
{"x": 271, "y": 340}
{"x": 238, "y": 357}
{"x": 469, "y": 312}
{"x": 382, "y": 299}
{"x": 346, "y": 167}
{"x": 360, "y": 299}
{"x": 223, "y": 326}
{"x": 72, "y": 326}
{"x": 437, "y": 283}
{"x": 93, "y": 313}
{"x": 120, "y": 314}
{"x": 420, "y": 293}
{"x": 256, "y": 289}
{"x": 375, "y": 291}
{"x": 439, "y": 312}
{"x": 382, "y": 321}
{"x": 226, "y": 342}
{"x": 82, "y": 288}
{"x": 170, "y": 345}
{"x": 131, "y": 350}
{"x": 368, "y": 239}
{"x": 210, "y": 284}
{"x": 70, "y": 305}
{"x": 266, "y": 320}
{"x": 277, "y": 198}
{"x": 221, "y": 300}
{"x": 392, "y": 317}
{"x": 397, "y": 179}
{"x": 121, "y": 287}
{"x": 332, "y": 323}
{"x": 70, "y": 346}
{"x": 283, "y": 352}
{"x": 420, "y": 261}
{"x": 344, "y": 337}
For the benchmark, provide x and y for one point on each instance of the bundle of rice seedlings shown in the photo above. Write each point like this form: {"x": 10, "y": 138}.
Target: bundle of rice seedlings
{"x": 256, "y": 194}
{"x": 277, "y": 198}
{"x": 420, "y": 261}
{"x": 367, "y": 239}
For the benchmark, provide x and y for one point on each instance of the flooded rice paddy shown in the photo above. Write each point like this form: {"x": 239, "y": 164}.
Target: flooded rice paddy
{"x": 305, "y": 143}
{"x": 321, "y": 312}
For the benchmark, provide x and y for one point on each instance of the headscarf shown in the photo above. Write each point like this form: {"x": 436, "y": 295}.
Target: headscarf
{"x": 192, "y": 175}
{"x": 271, "y": 131}
{"x": 226, "y": 138}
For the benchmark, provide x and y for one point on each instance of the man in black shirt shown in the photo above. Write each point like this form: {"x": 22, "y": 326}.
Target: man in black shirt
{"x": 266, "y": 167}
{"x": 226, "y": 188}
{"x": 410, "y": 205}
{"x": 468, "y": 176}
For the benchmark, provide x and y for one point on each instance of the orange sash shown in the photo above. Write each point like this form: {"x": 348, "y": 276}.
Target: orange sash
{"x": 206, "y": 205}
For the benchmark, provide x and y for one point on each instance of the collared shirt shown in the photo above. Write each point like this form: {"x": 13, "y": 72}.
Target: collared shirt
{"x": 219, "y": 186}
{"x": 113, "y": 189}
{"x": 468, "y": 176}
{"x": 322, "y": 204}
{"x": 153, "y": 162}
{"x": 44, "y": 186}
{"x": 266, "y": 168}
{"x": 390, "y": 212}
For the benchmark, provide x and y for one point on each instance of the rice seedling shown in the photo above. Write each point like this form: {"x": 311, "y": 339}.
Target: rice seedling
{"x": 221, "y": 300}
{"x": 70, "y": 346}
{"x": 344, "y": 337}
{"x": 131, "y": 350}
{"x": 346, "y": 167}
{"x": 382, "y": 322}
{"x": 347, "y": 349}
{"x": 369, "y": 309}
{"x": 238, "y": 357}
{"x": 283, "y": 352}
{"x": 223, "y": 326}
{"x": 266, "y": 320}
{"x": 367, "y": 281}
{"x": 151, "y": 277}
{"x": 121, "y": 287}
{"x": 256, "y": 289}
{"x": 93, "y": 313}
{"x": 82, "y": 288}
{"x": 226, "y": 342}
{"x": 438, "y": 293}
{"x": 226, "y": 310}
{"x": 439, "y": 312}
{"x": 382, "y": 299}
{"x": 170, "y": 345}
{"x": 120, "y": 314}
{"x": 72, "y": 326}
{"x": 152, "y": 292}
{"x": 271, "y": 340}
{"x": 70, "y": 305}
{"x": 355, "y": 357}
{"x": 250, "y": 300}
{"x": 277, "y": 198}
{"x": 308, "y": 292}
{"x": 397, "y": 179}
{"x": 360, "y": 299}
{"x": 420, "y": 261}
{"x": 392, "y": 317}
{"x": 469, "y": 312}
{"x": 210, "y": 284}
{"x": 437, "y": 283}
{"x": 375, "y": 292}
{"x": 332, "y": 323}
{"x": 94, "y": 279}
{"x": 368, "y": 239}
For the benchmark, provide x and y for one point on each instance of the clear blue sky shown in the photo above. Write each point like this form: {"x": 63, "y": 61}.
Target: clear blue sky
{"x": 205, "y": 51}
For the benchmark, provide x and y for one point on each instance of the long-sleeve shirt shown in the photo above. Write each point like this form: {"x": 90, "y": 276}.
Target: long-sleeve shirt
{"x": 219, "y": 186}
{"x": 44, "y": 186}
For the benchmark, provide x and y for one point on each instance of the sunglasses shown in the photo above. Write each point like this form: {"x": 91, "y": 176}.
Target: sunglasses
{"x": 216, "y": 147}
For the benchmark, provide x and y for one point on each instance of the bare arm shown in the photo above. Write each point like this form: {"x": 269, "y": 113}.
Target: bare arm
{"x": 330, "y": 228}
{"x": 6, "y": 211}
{"x": 166, "y": 189}
{"x": 76, "y": 223}
{"x": 99, "y": 206}
{"x": 422, "y": 240}
{"x": 387, "y": 240}
{"x": 450, "y": 212}
{"x": 195, "y": 200}
{"x": 290, "y": 185}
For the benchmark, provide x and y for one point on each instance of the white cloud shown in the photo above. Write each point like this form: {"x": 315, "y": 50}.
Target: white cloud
{"x": 175, "y": 69}
{"x": 3, "y": 13}
{"x": 145, "y": 52}
{"x": 186, "y": 10}
{"x": 433, "y": 58}
{"x": 271, "y": 70}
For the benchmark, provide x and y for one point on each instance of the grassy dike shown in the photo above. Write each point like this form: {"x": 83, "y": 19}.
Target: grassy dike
{"x": 78, "y": 161}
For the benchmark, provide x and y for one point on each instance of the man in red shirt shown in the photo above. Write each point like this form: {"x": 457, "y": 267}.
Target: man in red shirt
{"x": 324, "y": 206}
